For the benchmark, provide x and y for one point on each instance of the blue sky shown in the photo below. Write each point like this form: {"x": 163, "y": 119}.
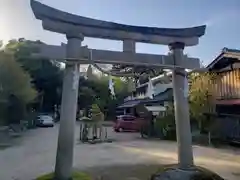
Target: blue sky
{"x": 222, "y": 18}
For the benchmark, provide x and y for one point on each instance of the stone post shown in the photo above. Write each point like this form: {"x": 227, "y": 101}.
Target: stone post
{"x": 66, "y": 140}
{"x": 129, "y": 46}
{"x": 182, "y": 119}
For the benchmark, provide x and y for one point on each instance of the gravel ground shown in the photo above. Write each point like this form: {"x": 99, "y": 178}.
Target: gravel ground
{"x": 35, "y": 154}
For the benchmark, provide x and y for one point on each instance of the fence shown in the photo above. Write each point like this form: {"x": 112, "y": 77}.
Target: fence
{"x": 225, "y": 126}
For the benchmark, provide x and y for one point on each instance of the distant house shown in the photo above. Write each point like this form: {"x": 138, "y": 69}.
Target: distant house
{"x": 227, "y": 82}
{"x": 227, "y": 93}
{"x": 162, "y": 94}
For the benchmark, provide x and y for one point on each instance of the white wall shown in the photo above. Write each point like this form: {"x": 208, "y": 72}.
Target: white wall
{"x": 158, "y": 88}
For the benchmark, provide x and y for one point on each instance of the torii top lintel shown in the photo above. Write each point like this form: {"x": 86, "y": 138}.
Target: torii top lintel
{"x": 65, "y": 23}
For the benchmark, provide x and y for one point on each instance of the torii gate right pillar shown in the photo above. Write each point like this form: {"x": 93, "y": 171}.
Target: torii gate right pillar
{"x": 182, "y": 119}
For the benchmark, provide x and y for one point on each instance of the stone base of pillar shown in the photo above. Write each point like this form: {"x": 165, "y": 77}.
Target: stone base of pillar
{"x": 173, "y": 172}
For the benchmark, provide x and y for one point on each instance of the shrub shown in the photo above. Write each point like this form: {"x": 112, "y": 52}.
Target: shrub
{"x": 75, "y": 176}
{"x": 165, "y": 127}
{"x": 97, "y": 115}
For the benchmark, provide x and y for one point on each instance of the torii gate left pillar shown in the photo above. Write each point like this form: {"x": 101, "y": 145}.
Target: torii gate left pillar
{"x": 66, "y": 140}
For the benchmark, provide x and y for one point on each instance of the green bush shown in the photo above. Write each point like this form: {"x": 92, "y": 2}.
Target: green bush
{"x": 75, "y": 176}
{"x": 165, "y": 127}
{"x": 97, "y": 115}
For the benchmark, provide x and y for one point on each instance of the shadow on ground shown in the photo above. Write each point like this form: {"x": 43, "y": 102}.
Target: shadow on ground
{"x": 123, "y": 172}
{"x": 146, "y": 172}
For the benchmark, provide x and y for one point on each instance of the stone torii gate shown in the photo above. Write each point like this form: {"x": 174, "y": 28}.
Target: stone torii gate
{"x": 73, "y": 54}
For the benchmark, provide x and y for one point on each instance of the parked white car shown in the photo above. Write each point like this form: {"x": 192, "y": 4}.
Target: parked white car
{"x": 45, "y": 121}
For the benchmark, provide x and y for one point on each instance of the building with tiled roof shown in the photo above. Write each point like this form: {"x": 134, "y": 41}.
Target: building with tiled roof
{"x": 227, "y": 82}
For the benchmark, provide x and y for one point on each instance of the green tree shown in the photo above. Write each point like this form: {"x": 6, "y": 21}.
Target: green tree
{"x": 120, "y": 86}
{"x": 140, "y": 73}
{"x": 86, "y": 97}
{"x": 97, "y": 115}
{"x": 46, "y": 74}
{"x": 105, "y": 101}
{"x": 95, "y": 91}
{"x": 201, "y": 95}
{"x": 16, "y": 90}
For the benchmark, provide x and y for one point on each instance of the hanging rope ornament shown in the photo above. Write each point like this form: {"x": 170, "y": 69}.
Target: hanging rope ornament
{"x": 150, "y": 89}
{"x": 90, "y": 75}
{"x": 111, "y": 86}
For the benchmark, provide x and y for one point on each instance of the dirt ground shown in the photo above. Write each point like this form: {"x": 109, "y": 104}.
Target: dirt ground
{"x": 123, "y": 172}
{"x": 127, "y": 157}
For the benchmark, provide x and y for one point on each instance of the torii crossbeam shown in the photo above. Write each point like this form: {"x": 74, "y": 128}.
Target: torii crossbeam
{"x": 115, "y": 57}
{"x": 76, "y": 28}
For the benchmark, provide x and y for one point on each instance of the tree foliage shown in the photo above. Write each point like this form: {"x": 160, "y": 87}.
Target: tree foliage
{"x": 140, "y": 73}
{"x": 97, "y": 115}
{"x": 16, "y": 90}
{"x": 13, "y": 79}
{"x": 46, "y": 74}
{"x": 95, "y": 91}
{"x": 201, "y": 94}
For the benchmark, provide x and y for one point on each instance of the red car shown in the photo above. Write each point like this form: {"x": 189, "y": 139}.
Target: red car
{"x": 128, "y": 123}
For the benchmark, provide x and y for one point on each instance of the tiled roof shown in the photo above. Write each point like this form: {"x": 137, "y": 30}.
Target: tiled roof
{"x": 166, "y": 95}
{"x": 231, "y": 50}
{"x": 225, "y": 54}
{"x": 130, "y": 103}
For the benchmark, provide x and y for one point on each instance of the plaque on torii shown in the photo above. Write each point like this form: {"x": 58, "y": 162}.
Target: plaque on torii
{"x": 76, "y": 28}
